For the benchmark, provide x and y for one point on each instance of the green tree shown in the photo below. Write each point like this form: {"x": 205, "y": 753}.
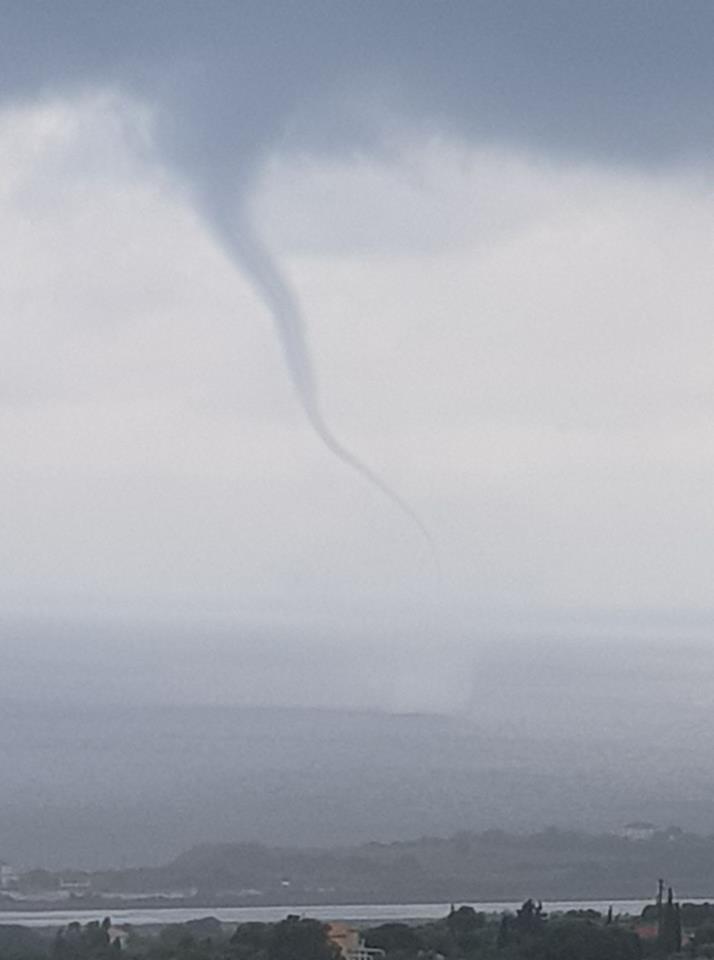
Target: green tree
{"x": 505, "y": 931}
{"x": 585, "y": 940}
{"x": 297, "y": 938}
{"x": 670, "y": 937}
{"x": 395, "y": 939}
{"x": 466, "y": 926}
{"x": 530, "y": 919}
{"x": 20, "y": 943}
{"x": 90, "y": 942}
{"x": 250, "y": 941}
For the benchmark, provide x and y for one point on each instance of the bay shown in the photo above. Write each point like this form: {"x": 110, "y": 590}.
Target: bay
{"x": 359, "y": 913}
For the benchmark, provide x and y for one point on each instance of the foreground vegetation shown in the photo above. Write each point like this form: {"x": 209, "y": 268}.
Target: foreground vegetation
{"x": 528, "y": 934}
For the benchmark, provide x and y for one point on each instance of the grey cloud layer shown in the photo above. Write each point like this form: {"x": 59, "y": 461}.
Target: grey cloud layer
{"x": 231, "y": 85}
{"x": 630, "y": 81}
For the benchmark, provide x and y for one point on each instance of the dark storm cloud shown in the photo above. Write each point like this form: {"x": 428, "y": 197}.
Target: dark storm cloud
{"x": 630, "y": 81}
{"x": 230, "y": 83}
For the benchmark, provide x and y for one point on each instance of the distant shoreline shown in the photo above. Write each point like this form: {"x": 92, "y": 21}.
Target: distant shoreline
{"x": 414, "y": 878}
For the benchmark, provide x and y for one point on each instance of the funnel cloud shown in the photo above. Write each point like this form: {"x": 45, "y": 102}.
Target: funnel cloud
{"x": 495, "y": 217}
{"x": 239, "y": 240}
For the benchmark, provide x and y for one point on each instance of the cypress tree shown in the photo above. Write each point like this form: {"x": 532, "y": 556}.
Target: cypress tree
{"x": 504, "y": 932}
{"x": 670, "y": 938}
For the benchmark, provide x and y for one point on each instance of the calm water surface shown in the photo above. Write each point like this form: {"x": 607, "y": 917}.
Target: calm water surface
{"x": 359, "y": 912}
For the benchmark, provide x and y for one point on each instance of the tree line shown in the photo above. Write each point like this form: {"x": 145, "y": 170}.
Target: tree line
{"x": 464, "y": 934}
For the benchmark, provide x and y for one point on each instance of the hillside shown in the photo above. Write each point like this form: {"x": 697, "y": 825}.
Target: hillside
{"x": 485, "y": 866}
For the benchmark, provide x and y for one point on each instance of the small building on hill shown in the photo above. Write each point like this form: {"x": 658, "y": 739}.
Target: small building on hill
{"x": 8, "y": 876}
{"x": 639, "y": 830}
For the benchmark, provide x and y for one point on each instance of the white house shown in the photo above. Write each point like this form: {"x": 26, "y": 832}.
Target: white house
{"x": 8, "y": 876}
{"x": 639, "y": 830}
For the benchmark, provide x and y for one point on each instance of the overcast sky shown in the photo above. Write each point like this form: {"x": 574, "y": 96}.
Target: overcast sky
{"x": 496, "y": 220}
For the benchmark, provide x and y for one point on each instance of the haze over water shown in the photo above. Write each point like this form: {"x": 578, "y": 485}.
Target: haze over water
{"x": 468, "y": 244}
